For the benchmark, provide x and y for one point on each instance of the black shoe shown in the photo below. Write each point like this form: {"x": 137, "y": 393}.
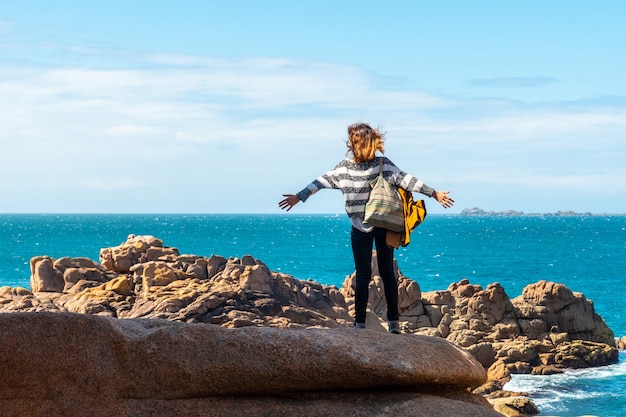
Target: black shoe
{"x": 394, "y": 327}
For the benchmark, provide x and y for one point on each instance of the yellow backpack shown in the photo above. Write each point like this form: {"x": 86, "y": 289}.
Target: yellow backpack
{"x": 414, "y": 215}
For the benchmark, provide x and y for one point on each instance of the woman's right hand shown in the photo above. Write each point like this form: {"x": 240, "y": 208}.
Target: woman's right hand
{"x": 289, "y": 201}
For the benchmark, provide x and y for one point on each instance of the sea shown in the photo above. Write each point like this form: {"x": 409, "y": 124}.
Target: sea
{"x": 586, "y": 253}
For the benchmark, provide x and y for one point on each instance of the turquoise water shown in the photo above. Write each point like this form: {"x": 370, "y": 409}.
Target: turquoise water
{"x": 588, "y": 254}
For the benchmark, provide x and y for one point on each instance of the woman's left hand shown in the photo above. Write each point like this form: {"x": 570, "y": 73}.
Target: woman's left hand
{"x": 444, "y": 199}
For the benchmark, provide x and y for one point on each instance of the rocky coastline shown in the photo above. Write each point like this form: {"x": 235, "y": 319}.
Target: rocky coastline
{"x": 149, "y": 329}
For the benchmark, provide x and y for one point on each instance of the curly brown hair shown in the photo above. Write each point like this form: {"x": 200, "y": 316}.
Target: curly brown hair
{"x": 364, "y": 141}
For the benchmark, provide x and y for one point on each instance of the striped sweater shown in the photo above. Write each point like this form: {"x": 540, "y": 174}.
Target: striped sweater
{"x": 354, "y": 182}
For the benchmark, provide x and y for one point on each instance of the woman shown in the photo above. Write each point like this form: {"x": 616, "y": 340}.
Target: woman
{"x": 353, "y": 176}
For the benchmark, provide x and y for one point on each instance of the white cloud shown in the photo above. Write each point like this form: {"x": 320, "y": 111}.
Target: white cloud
{"x": 189, "y": 122}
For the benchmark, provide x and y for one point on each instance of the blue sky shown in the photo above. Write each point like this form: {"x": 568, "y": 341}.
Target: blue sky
{"x": 221, "y": 107}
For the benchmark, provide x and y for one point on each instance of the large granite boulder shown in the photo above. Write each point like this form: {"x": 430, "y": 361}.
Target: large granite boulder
{"x": 71, "y": 364}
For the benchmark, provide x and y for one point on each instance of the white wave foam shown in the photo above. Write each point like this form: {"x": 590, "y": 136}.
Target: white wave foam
{"x": 579, "y": 390}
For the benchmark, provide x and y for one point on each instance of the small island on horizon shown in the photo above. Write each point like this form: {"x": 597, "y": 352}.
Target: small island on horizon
{"x": 475, "y": 211}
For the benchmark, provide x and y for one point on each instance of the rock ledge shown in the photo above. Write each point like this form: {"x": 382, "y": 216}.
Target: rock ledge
{"x": 62, "y": 363}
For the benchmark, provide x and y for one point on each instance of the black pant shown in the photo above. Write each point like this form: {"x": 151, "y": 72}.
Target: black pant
{"x": 362, "y": 249}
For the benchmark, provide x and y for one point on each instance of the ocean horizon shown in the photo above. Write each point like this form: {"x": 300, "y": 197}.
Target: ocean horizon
{"x": 584, "y": 252}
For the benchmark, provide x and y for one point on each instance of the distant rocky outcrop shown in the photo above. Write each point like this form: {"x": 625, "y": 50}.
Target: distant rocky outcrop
{"x": 546, "y": 329}
{"x": 475, "y": 211}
